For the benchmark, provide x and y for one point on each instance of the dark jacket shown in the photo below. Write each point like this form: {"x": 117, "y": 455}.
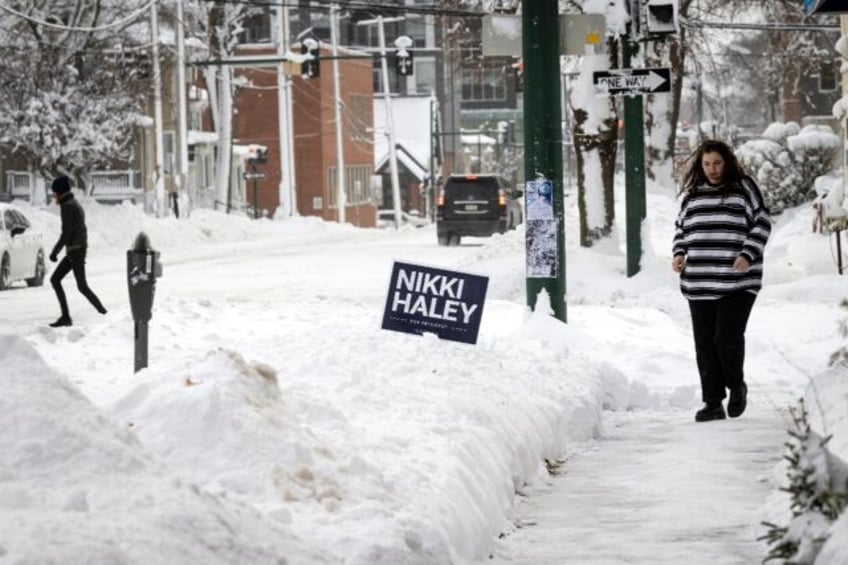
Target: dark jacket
{"x": 74, "y": 234}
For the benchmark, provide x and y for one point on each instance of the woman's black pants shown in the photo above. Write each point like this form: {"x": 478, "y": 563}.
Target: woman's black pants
{"x": 719, "y": 330}
{"x": 74, "y": 260}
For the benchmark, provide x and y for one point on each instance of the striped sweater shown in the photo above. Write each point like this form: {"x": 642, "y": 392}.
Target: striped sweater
{"x": 712, "y": 230}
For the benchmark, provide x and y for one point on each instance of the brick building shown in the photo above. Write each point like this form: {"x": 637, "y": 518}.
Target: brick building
{"x": 314, "y": 126}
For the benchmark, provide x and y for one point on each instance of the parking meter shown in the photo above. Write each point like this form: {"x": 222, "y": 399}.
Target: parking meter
{"x": 143, "y": 268}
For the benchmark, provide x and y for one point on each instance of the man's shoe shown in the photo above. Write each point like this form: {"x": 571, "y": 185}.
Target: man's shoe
{"x": 62, "y": 321}
{"x": 710, "y": 412}
{"x": 738, "y": 401}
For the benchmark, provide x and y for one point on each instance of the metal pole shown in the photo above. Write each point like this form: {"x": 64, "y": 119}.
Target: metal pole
{"x": 159, "y": 181}
{"x": 285, "y": 191}
{"x": 634, "y": 167}
{"x": 431, "y": 185}
{"x": 389, "y": 123}
{"x": 543, "y": 133}
{"x": 140, "y": 346}
{"x": 255, "y": 193}
{"x": 182, "y": 105}
{"x": 283, "y": 188}
{"x": 341, "y": 198}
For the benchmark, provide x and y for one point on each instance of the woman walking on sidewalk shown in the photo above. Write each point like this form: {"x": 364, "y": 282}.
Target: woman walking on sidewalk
{"x": 720, "y": 235}
{"x": 74, "y": 239}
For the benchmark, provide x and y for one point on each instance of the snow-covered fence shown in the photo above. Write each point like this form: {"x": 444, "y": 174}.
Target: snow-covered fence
{"x": 830, "y": 213}
{"x": 106, "y": 186}
{"x": 115, "y": 186}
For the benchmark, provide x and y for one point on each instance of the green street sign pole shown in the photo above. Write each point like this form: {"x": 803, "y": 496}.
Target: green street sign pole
{"x": 634, "y": 167}
{"x": 543, "y": 135}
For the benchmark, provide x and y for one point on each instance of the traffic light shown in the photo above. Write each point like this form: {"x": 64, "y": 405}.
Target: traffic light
{"x": 311, "y": 67}
{"x": 403, "y": 63}
{"x": 661, "y": 16}
{"x": 257, "y": 154}
{"x": 518, "y": 74}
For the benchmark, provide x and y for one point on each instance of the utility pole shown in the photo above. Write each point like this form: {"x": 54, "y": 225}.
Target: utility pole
{"x": 543, "y": 152}
{"x": 341, "y": 199}
{"x": 634, "y": 155}
{"x": 390, "y": 128}
{"x": 431, "y": 188}
{"x": 182, "y": 106}
{"x": 159, "y": 181}
{"x": 284, "y": 117}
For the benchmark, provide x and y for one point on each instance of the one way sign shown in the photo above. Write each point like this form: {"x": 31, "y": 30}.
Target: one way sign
{"x": 619, "y": 82}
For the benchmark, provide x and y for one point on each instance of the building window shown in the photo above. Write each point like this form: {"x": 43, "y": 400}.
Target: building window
{"x": 361, "y": 116}
{"x": 257, "y": 26}
{"x": 425, "y": 76}
{"x": 357, "y": 184}
{"x": 394, "y": 82}
{"x": 484, "y": 85}
{"x": 417, "y": 30}
{"x": 827, "y": 79}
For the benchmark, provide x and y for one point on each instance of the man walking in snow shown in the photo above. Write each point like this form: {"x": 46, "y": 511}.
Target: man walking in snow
{"x": 74, "y": 238}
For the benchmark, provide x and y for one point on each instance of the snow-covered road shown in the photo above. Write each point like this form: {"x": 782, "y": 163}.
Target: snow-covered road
{"x": 385, "y": 448}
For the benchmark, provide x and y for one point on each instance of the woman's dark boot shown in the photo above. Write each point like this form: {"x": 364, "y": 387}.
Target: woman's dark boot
{"x": 738, "y": 401}
{"x": 710, "y": 411}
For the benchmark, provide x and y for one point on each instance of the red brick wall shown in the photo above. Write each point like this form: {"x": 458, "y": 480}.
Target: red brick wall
{"x": 314, "y": 134}
{"x": 255, "y": 121}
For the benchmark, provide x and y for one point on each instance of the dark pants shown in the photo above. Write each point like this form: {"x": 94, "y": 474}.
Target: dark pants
{"x": 719, "y": 330}
{"x": 74, "y": 261}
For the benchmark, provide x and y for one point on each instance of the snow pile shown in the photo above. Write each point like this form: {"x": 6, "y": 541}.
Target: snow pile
{"x": 71, "y": 478}
{"x": 428, "y": 457}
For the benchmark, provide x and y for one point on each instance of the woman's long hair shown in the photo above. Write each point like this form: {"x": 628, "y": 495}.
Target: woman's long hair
{"x": 694, "y": 176}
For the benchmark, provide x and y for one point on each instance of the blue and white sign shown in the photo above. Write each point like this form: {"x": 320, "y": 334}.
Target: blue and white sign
{"x": 426, "y": 299}
{"x": 539, "y": 201}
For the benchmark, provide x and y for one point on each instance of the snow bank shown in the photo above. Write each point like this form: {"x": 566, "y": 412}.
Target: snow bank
{"x": 76, "y": 487}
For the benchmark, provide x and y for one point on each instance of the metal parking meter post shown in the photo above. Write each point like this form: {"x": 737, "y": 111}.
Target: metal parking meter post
{"x": 143, "y": 268}
{"x": 255, "y": 193}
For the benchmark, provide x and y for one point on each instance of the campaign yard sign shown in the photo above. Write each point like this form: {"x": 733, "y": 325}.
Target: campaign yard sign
{"x": 426, "y": 299}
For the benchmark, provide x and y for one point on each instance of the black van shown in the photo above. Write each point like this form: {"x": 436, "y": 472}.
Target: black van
{"x": 478, "y": 206}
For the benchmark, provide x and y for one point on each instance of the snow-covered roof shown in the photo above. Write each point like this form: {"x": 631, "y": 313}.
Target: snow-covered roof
{"x": 412, "y": 165}
{"x": 411, "y": 129}
{"x": 477, "y": 139}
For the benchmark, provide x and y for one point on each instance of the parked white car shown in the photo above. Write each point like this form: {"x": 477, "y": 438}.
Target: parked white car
{"x": 386, "y": 219}
{"x": 21, "y": 249}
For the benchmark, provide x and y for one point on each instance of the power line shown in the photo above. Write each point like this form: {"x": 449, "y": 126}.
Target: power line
{"x": 769, "y": 26}
{"x": 363, "y": 5}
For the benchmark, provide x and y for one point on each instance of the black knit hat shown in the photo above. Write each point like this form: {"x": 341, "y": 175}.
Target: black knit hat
{"x": 61, "y": 184}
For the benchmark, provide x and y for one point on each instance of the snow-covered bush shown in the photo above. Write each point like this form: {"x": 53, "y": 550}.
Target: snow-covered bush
{"x": 841, "y": 354}
{"x": 816, "y": 501}
{"x": 787, "y": 159}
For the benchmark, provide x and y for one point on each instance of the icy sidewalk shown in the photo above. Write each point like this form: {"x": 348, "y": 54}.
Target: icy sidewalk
{"x": 657, "y": 488}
